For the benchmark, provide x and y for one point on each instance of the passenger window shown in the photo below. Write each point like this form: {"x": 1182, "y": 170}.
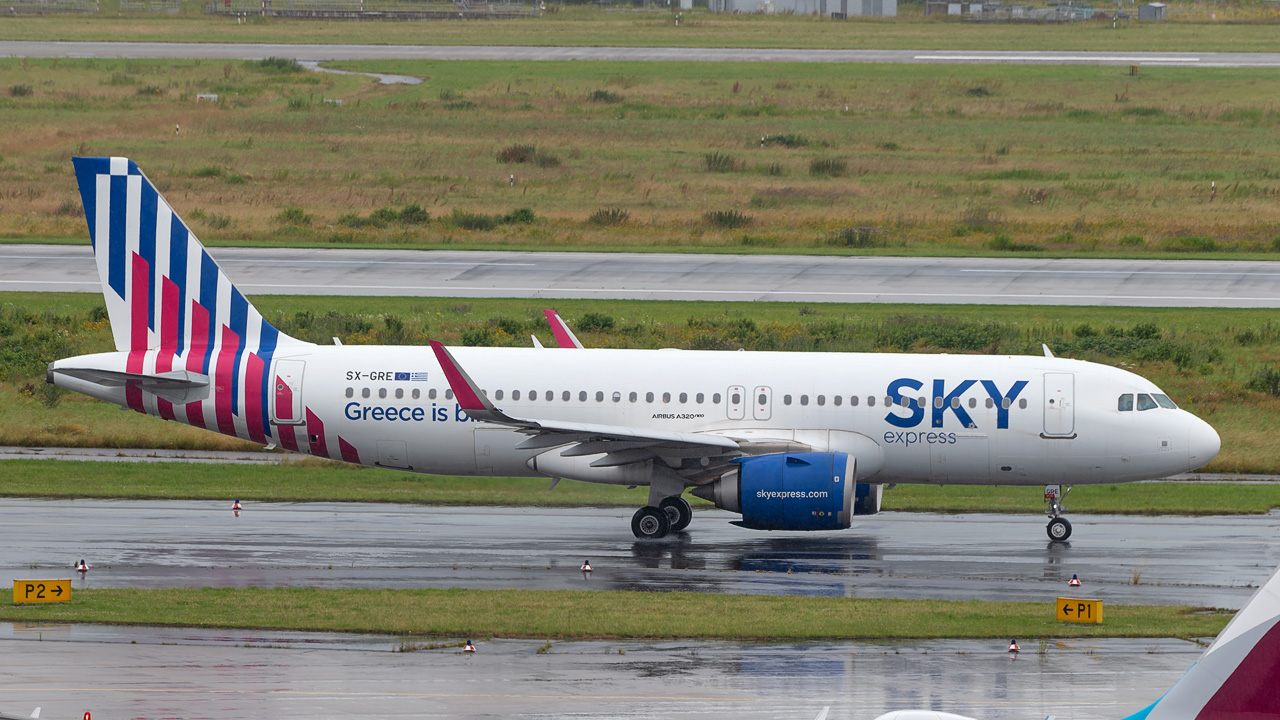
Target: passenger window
{"x": 399, "y": 393}
{"x": 760, "y": 400}
{"x": 432, "y": 394}
{"x": 448, "y": 394}
{"x": 888, "y": 401}
{"x": 515, "y": 394}
{"x": 973, "y": 403}
{"x": 853, "y": 401}
{"x": 599, "y": 396}
{"x": 1022, "y": 403}
{"x": 699, "y": 398}
{"x": 1145, "y": 402}
{"x": 804, "y": 399}
{"x": 837, "y": 399}
{"x": 990, "y": 404}
{"x": 1006, "y": 403}
{"x": 715, "y": 399}
{"x": 666, "y": 397}
{"x": 631, "y": 397}
{"x": 1164, "y": 401}
{"x": 871, "y": 401}
{"x": 566, "y": 396}
{"x": 1126, "y": 403}
{"x": 364, "y": 392}
{"x": 735, "y": 399}
{"x": 617, "y": 397}
{"x": 822, "y": 400}
{"x": 382, "y": 392}
{"x": 684, "y": 397}
{"x": 937, "y": 402}
{"x": 498, "y": 395}
{"x": 786, "y": 399}
{"x": 955, "y": 403}
{"x": 550, "y": 395}
{"x": 648, "y": 397}
{"x": 351, "y": 392}
{"x": 582, "y": 396}
{"x": 920, "y": 402}
{"x": 417, "y": 394}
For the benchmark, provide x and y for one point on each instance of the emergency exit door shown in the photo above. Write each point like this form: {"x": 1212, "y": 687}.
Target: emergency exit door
{"x": 1059, "y": 405}
{"x": 286, "y": 395}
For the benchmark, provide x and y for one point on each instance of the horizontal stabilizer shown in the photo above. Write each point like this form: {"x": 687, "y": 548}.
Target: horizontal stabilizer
{"x": 178, "y": 386}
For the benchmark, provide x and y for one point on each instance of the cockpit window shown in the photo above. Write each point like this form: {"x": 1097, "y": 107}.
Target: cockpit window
{"x": 1126, "y": 403}
{"x": 1164, "y": 401}
{"x": 1146, "y": 403}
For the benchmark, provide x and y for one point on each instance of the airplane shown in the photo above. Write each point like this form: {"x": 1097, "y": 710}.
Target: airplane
{"x": 790, "y": 441}
{"x": 1237, "y": 677}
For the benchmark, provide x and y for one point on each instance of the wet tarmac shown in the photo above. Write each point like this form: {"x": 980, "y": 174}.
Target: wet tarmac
{"x": 156, "y": 673}
{"x": 1206, "y": 561}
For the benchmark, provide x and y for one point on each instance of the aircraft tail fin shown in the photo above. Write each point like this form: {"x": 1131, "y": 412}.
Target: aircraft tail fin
{"x": 162, "y": 289}
{"x": 1238, "y": 677}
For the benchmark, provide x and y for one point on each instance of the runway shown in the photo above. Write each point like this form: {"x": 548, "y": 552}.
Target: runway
{"x": 662, "y": 276}
{"x": 253, "y": 51}
{"x": 1208, "y": 561}
{"x": 152, "y": 673}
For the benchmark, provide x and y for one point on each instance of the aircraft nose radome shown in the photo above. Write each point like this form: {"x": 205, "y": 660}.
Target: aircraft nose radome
{"x": 1203, "y": 444}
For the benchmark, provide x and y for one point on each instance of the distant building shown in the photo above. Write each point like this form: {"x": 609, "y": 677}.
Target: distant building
{"x": 836, "y": 9}
{"x": 1151, "y": 11}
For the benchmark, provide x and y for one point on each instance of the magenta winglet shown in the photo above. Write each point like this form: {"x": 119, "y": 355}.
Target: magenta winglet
{"x": 564, "y": 338}
{"x": 467, "y": 397}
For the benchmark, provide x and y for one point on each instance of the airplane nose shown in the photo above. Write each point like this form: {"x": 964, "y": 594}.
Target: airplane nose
{"x": 1203, "y": 444}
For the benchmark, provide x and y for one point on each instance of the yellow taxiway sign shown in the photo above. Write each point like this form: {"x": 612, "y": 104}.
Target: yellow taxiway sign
{"x": 35, "y": 591}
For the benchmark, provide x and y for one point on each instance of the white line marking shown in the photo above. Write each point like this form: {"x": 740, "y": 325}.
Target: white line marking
{"x": 1060, "y": 58}
{"x": 1240, "y": 273}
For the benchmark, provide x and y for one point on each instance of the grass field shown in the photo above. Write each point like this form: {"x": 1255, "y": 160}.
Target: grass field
{"x": 742, "y": 157}
{"x": 310, "y": 480}
{"x": 587, "y": 614}
{"x": 1220, "y": 26}
{"x": 1218, "y": 363}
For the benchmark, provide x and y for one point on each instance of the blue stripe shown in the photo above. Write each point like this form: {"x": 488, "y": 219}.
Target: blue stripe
{"x": 266, "y": 348}
{"x": 178, "y": 273}
{"x": 147, "y": 246}
{"x": 209, "y": 299}
{"x": 87, "y": 171}
{"x": 115, "y": 241}
{"x": 239, "y": 322}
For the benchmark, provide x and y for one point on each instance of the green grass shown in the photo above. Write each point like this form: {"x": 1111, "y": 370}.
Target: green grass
{"x": 1070, "y": 161}
{"x": 310, "y": 480}
{"x": 612, "y": 614}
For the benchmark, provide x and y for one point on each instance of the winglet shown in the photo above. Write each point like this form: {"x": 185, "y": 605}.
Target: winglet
{"x": 564, "y": 336}
{"x": 464, "y": 388}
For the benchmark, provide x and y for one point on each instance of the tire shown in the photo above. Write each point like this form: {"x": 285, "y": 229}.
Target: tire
{"x": 650, "y": 523}
{"x": 679, "y": 514}
{"x": 1059, "y": 529}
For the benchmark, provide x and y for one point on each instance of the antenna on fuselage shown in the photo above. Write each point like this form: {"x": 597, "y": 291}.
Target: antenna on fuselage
{"x": 1047, "y": 352}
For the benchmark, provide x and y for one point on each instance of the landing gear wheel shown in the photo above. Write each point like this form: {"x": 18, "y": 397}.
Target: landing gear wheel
{"x": 650, "y": 523}
{"x": 1059, "y": 529}
{"x": 679, "y": 514}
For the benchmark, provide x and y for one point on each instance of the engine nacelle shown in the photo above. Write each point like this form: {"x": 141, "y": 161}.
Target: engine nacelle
{"x": 788, "y": 491}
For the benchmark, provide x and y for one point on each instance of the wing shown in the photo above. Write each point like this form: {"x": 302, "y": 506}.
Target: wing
{"x": 564, "y": 336}
{"x": 617, "y": 444}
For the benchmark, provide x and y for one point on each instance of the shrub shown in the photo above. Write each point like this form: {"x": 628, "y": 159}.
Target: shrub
{"x": 519, "y": 216}
{"x": 790, "y": 140}
{"x": 294, "y": 215}
{"x": 1190, "y": 243}
{"x": 299, "y": 104}
{"x": 1004, "y": 242}
{"x": 546, "y": 160}
{"x": 414, "y": 215}
{"x": 609, "y": 216}
{"x": 235, "y": 179}
{"x": 279, "y": 65}
{"x": 727, "y": 218}
{"x": 517, "y": 154}
{"x": 604, "y": 96}
{"x": 207, "y": 171}
{"x": 21, "y": 90}
{"x": 472, "y": 221}
{"x": 854, "y": 237}
{"x": 595, "y": 322}
{"x": 829, "y": 167}
{"x": 719, "y": 162}
{"x": 1266, "y": 380}
{"x": 218, "y": 221}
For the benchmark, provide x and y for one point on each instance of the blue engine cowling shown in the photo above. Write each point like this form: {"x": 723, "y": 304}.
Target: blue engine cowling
{"x": 788, "y": 491}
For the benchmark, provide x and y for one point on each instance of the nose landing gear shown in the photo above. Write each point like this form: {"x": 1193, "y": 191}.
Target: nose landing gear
{"x": 1059, "y": 528}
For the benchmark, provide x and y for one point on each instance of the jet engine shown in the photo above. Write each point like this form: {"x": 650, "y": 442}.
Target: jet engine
{"x": 787, "y": 491}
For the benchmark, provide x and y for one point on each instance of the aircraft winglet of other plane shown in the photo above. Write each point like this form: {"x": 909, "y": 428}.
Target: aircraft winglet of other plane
{"x": 1237, "y": 678}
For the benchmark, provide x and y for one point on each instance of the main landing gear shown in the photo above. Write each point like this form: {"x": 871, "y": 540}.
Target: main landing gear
{"x": 1059, "y": 528}
{"x": 673, "y": 514}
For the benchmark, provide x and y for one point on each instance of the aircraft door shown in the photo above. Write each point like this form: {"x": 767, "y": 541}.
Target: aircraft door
{"x": 1059, "y": 405}
{"x": 286, "y": 395}
{"x": 763, "y": 399}
{"x": 736, "y": 402}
